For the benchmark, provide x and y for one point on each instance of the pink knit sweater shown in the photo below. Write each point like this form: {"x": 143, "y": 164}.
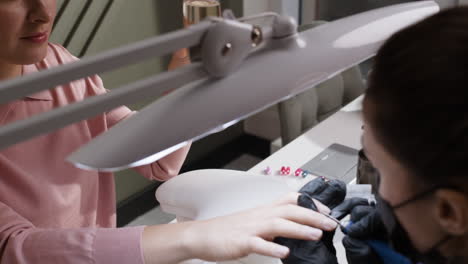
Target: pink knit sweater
{"x": 50, "y": 211}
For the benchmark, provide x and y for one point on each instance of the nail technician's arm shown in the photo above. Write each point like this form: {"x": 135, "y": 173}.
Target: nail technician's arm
{"x": 234, "y": 236}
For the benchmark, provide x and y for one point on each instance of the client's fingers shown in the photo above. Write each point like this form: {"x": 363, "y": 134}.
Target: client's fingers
{"x": 285, "y": 228}
{"x": 306, "y": 217}
{"x": 322, "y": 208}
{"x": 290, "y": 198}
{"x": 267, "y": 248}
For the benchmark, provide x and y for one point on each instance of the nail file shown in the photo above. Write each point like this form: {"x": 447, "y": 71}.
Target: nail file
{"x": 333, "y": 219}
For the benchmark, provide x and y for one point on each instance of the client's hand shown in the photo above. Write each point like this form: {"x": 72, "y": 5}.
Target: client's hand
{"x": 179, "y": 58}
{"x": 234, "y": 236}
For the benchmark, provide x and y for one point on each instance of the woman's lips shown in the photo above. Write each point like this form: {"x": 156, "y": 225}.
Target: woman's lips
{"x": 37, "y": 38}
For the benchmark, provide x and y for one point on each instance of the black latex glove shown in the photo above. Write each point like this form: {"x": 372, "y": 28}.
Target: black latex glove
{"x": 347, "y": 206}
{"x": 331, "y": 194}
{"x": 366, "y": 224}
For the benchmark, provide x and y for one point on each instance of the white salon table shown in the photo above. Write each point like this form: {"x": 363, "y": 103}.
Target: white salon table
{"x": 343, "y": 127}
{"x": 210, "y": 192}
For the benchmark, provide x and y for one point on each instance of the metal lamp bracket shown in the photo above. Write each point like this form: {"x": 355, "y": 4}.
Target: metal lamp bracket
{"x": 229, "y": 42}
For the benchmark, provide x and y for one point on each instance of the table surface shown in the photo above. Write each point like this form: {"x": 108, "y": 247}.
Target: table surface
{"x": 343, "y": 127}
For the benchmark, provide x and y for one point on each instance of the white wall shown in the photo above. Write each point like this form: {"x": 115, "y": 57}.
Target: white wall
{"x": 449, "y": 3}
{"x": 255, "y": 6}
{"x": 285, "y": 7}
{"x": 309, "y": 10}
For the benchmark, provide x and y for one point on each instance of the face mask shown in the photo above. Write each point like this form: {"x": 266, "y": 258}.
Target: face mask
{"x": 399, "y": 237}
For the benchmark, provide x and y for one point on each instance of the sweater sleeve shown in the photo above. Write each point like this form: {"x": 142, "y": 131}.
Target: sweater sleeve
{"x": 162, "y": 169}
{"x": 22, "y": 243}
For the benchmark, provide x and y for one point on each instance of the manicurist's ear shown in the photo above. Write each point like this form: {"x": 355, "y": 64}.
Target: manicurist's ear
{"x": 451, "y": 211}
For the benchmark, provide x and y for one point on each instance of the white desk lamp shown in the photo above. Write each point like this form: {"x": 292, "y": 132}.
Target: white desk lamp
{"x": 244, "y": 69}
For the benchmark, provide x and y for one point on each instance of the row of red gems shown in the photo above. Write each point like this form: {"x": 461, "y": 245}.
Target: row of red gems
{"x": 285, "y": 170}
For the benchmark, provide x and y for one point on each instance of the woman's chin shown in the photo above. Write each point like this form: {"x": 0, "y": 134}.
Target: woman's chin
{"x": 30, "y": 53}
{"x": 32, "y": 58}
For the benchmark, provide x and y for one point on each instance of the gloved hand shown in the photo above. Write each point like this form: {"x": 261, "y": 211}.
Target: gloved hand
{"x": 331, "y": 194}
{"x": 367, "y": 240}
{"x": 365, "y": 225}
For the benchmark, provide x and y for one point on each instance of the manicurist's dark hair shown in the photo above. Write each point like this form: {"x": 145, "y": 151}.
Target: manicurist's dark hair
{"x": 417, "y": 100}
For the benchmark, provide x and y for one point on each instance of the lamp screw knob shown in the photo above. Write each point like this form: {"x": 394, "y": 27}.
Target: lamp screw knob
{"x": 256, "y": 36}
{"x": 226, "y": 49}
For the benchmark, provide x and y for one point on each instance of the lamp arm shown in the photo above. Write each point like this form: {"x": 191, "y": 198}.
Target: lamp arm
{"x": 225, "y": 44}
{"x": 58, "y": 118}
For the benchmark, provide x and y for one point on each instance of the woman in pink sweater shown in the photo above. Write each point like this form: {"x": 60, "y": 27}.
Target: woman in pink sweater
{"x": 52, "y": 212}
